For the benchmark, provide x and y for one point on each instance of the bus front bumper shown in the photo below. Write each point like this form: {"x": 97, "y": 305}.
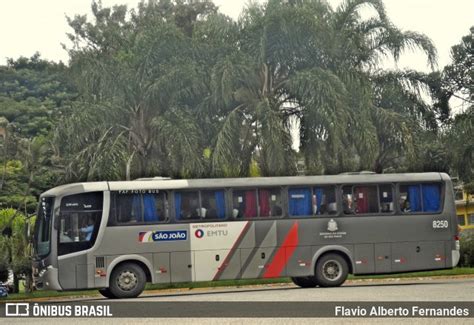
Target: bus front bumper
{"x": 46, "y": 279}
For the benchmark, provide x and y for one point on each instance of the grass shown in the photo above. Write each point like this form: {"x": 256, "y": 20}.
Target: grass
{"x": 231, "y": 283}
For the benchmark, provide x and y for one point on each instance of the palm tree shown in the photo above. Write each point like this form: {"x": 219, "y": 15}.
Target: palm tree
{"x": 141, "y": 78}
{"x": 178, "y": 96}
{"x": 304, "y": 61}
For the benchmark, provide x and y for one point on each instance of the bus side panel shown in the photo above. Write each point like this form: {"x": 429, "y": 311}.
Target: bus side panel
{"x": 230, "y": 269}
{"x": 69, "y": 276}
{"x": 255, "y": 260}
{"x": 84, "y": 276}
{"x": 161, "y": 267}
{"x": 208, "y": 263}
{"x": 383, "y": 253}
{"x": 364, "y": 258}
{"x": 404, "y": 256}
{"x": 433, "y": 256}
{"x": 181, "y": 266}
{"x": 299, "y": 261}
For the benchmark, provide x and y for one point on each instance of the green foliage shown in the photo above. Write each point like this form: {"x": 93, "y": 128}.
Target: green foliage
{"x": 459, "y": 76}
{"x": 467, "y": 250}
{"x": 170, "y": 79}
{"x": 15, "y": 247}
{"x": 32, "y": 92}
{"x": 460, "y": 145}
{"x": 469, "y": 188}
{"x": 15, "y": 186}
{"x": 163, "y": 83}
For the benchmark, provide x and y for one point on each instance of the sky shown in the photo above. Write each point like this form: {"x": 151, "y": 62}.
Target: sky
{"x": 27, "y": 26}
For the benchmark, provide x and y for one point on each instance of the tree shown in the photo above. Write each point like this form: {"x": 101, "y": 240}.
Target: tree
{"x": 460, "y": 146}
{"x": 305, "y": 61}
{"x": 239, "y": 90}
{"x": 458, "y": 77}
{"x": 143, "y": 72}
{"x": 15, "y": 247}
{"x": 456, "y": 81}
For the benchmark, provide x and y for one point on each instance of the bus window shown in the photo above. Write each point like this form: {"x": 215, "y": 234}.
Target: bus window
{"x": 213, "y": 204}
{"x": 252, "y": 203}
{"x": 347, "y": 200}
{"x": 187, "y": 205}
{"x": 155, "y": 207}
{"x": 366, "y": 199}
{"x": 362, "y": 199}
{"x": 324, "y": 200}
{"x": 269, "y": 202}
{"x": 431, "y": 197}
{"x": 139, "y": 208}
{"x": 420, "y": 198}
{"x": 79, "y": 221}
{"x": 128, "y": 207}
{"x": 386, "y": 198}
{"x": 245, "y": 204}
{"x": 300, "y": 201}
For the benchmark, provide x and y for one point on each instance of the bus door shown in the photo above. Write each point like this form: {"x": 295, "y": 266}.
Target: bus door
{"x": 78, "y": 225}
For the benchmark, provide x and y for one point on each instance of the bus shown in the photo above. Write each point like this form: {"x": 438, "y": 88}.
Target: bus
{"x": 117, "y": 236}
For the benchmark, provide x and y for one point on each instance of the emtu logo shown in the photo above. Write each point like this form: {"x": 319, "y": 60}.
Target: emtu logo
{"x": 199, "y": 233}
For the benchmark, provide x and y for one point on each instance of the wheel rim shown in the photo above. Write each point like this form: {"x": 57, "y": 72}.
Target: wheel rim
{"x": 127, "y": 280}
{"x": 332, "y": 270}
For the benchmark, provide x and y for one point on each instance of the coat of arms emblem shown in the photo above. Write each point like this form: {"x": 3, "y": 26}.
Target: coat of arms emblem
{"x": 332, "y": 225}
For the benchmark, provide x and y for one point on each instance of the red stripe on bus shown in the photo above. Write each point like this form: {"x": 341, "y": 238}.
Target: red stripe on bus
{"x": 226, "y": 261}
{"x": 283, "y": 254}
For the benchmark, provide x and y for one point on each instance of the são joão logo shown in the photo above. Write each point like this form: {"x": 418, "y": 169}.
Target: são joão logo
{"x": 199, "y": 233}
{"x": 164, "y": 235}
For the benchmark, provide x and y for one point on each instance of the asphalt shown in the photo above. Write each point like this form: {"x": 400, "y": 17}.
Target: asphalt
{"x": 459, "y": 289}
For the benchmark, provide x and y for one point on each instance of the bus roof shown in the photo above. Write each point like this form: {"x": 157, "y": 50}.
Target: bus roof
{"x": 170, "y": 184}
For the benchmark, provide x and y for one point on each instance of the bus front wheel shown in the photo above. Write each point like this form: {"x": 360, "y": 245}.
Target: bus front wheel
{"x": 127, "y": 281}
{"x": 304, "y": 281}
{"x": 331, "y": 270}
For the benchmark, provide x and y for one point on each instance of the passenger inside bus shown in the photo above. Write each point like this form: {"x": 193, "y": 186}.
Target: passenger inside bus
{"x": 87, "y": 229}
{"x": 190, "y": 209}
{"x": 347, "y": 205}
{"x": 187, "y": 205}
{"x": 214, "y": 204}
{"x": 323, "y": 200}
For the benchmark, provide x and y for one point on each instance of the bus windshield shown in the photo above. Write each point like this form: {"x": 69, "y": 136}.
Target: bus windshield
{"x": 42, "y": 242}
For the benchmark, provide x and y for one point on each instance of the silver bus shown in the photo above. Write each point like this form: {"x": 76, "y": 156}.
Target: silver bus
{"x": 117, "y": 236}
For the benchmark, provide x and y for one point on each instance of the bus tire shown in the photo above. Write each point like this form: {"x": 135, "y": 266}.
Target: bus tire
{"x": 106, "y": 293}
{"x": 331, "y": 270}
{"x": 127, "y": 281}
{"x": 304, "y": 281}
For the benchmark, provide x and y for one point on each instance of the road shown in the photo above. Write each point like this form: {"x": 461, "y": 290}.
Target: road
{"x": 402, "y": 290}
{"x": 387, "y": 290}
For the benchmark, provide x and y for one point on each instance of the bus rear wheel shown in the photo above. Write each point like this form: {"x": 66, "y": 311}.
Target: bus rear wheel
{"x": 331, "y": 270}
{"x": 304, "y": 281}
{"x": 127, "y": 281}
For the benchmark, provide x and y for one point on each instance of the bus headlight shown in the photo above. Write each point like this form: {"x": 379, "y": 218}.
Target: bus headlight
{"x": 41, "y": 273}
